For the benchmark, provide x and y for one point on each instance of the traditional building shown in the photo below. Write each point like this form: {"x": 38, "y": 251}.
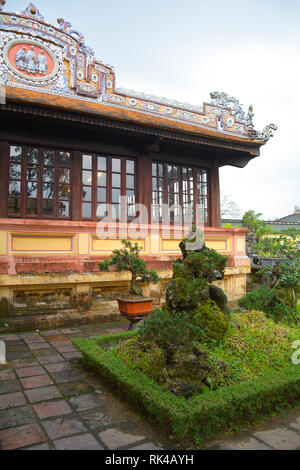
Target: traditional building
{"x": 71, "y": 141}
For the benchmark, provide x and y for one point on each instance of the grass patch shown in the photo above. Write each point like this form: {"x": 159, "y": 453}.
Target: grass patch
{"x": 261, "y": 379}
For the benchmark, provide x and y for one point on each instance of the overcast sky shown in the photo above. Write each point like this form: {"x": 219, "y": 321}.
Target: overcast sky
{"x": 184, "y": 50}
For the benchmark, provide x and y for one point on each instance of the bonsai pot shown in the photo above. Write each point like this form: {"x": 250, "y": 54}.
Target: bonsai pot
{"x": 135, "y": 310}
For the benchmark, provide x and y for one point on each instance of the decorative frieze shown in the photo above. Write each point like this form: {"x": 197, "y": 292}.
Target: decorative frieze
{"x": 55, "y": 59}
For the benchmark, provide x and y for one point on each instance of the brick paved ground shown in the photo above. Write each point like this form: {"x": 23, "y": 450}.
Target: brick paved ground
{"x": 47, "y": 401}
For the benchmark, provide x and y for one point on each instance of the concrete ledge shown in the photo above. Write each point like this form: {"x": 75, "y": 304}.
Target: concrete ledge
{"x": 62, "y": 319}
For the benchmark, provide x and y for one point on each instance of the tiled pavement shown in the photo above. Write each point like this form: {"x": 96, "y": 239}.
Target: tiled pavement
{"x": 47, "y": 401}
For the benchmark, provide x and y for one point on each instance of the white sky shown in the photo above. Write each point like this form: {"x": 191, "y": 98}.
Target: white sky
{"x": 183, "y": 50}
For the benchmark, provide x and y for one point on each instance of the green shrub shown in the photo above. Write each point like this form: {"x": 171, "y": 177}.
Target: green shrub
{"x": 211, "y": 320}
{"x": 202, "y": 416}
{"x": 128, "y": 259}
{"x": 146, "y": 357}
{"x": 266, "y": 300}
{"x": 170, "y": 330}
{"x": 253, "y": 222}
{"x": 191, "y": 277}
{"x": 184, "y": 294}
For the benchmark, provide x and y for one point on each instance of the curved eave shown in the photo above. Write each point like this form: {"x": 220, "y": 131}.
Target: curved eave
{"x": 126, "y": 115}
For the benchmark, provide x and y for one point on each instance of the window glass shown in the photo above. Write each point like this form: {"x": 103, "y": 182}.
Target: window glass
{"x": 116, "y": 165}
{"x": 43, "y": 178}
{"x": 64, "y": 209}
{"x": 102, "y": 163}
{"x": 14, "y": 206}
{"x": 116, "y": 180}
{"x": 106, "y": 180}
{"x": 87, "y": 162}
{"x": 101, "y": 178}
{"x": 179, "y": 188}
{"x": 65, "y": 159}
{"x": 49, "y": 158}
{"x": 15, "y": 154}
{"x": 130, "y": 166}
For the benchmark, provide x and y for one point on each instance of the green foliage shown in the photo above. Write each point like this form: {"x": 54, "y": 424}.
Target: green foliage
{"x": 170, "y": 330}
{"x": 290, "y": 276}
{"x": 127, "y": 259}
{"x": 267, "y": 300}
{"x": 144, "y": 356}
{"x": 189, "y": 313}
{"x": 203, "y": 265}
{"x": 184, "y": 294}
{"x": 253, "y": 222}
{"x": 202, "y": 416}
{"x": 284, "y": 245}
{"x": 253, "y": 345}
{"x": 211, "y": 320}
{"x": 189, "y": 285}
{"x": 285, "y": 273}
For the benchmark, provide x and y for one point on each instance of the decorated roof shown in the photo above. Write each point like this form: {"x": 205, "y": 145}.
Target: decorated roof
{"x": 292, "y": 218}
{"x": 54, "y": 61}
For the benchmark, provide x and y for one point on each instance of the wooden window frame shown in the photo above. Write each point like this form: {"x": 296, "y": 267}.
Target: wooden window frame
{"x": 109, "y": 184}
{"x": 180, "y": 179}
{"x": 40, "y": 182}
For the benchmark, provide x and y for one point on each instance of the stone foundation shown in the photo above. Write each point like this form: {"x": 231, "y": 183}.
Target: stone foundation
{"x": 35, "y": 301}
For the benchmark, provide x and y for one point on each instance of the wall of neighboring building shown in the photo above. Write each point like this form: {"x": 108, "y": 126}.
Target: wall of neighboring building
{"x": 275, "y": 226}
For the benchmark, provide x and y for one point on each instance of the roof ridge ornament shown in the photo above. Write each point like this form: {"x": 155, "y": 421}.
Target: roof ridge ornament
{"x": 264, "y": 135}
{"x": 2, "y": 4}
{"x": 33, "y": 12}
{"x": 67, "y": 28}
{"x": 225, "y": 101}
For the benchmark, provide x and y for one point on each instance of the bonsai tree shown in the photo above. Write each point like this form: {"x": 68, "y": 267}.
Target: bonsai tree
{"x": 252, "y": 221}
{"x": 282, "y": 275}
{"x": 128, "y": 259}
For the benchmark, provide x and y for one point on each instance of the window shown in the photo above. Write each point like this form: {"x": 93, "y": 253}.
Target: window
{"x": 157, "y": 190}
{"x": 39, "y": 183}
{"x": 108, "y": 180}
{"x": 180, "y": 187}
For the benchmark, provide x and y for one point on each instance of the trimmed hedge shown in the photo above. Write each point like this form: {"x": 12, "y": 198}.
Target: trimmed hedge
{"x": 199, "y": 417}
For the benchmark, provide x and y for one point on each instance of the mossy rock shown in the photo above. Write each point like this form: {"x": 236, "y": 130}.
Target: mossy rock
{"x": 285, "y": 295}
{"x": 5, "y": 307}
{"x": 219, "y": 297}
{"x": 186, "y": 374}
{"x": 212, "y": 320}
{"x": 185, "y": 295}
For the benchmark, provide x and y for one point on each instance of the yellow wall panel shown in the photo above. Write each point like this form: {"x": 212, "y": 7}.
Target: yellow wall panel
{"x": 31, "y": 243}
{"x": 3, "y": 243}
{"x": 108, "y": 245}
{"x": 223, "y": 244}
{"x": 155, "y": 245}
{"x": 240, "y": 246}
{"x": 170, "y": 245}
{"x": 83, "y": 243}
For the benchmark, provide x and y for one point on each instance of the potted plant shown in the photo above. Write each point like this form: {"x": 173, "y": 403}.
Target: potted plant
{"x": 132, "y": 304}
